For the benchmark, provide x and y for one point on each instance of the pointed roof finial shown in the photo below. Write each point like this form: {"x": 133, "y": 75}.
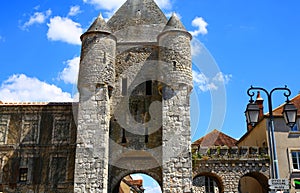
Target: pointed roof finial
{"x": 174, "y": 23}
{"x": 100, "y": 16}
{"x": 99, "y": 25}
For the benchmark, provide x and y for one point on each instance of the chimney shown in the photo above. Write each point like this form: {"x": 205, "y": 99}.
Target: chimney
{"x": 259, "y": 101}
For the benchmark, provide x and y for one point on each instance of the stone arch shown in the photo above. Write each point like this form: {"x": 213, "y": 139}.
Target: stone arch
{"x": 134, "y": 162}
{"x": 253, "y": 182}
{"x": 217, "y": 179}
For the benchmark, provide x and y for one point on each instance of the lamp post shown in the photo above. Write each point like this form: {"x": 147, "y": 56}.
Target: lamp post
{"x": 289, "y": 114}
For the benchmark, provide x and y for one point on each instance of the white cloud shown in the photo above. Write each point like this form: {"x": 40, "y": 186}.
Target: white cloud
{"x": 37, "y": 17}
{"x": 208, "y": 84}
{"x": 164, "y": 4}
{"x": 136, "y": 176}
{"x": 74, "y": 10}
{"x": 201, "y": 24}
{"x": 153, "y": 189}
{"x": 70, "y": 72}
{"x": 168, "y": 15}
{"x": 113, "y": 5}
{"x": 21, "y": 88}
{"x": 223, "y": 78}
{"x": 65, "y": 30}
{"x": 105, "y": 4}
{"x": 196, "y": 47}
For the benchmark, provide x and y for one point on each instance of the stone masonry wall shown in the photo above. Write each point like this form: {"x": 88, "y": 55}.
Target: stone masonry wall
{"x": 175, "y": 64}
{"x": 228, "y": 165}
{"x": 91, "y": 172}
{"x": 39, "y": 144}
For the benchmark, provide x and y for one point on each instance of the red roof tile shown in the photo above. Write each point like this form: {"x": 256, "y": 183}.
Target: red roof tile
{"x": 216, "y": 138}
{"x": 296, "y": 101}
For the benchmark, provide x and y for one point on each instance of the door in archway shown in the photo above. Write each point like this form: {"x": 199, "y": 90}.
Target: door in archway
{"x": 253, "y": 183}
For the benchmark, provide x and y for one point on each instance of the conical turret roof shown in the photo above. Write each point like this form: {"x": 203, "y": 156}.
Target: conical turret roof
{"x": 174, "y": 23}
{"x": 99, "y": 25}
{"x": 137, "y": 13}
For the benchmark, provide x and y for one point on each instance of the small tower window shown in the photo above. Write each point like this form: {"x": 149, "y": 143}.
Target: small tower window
{"x": 146, "y": 135}
{"x": 104, "y": 58}
{"x": 149, "y": 87}
{"x": 174, "y": 65}
{"x": 23, "y": 174}
{"x": 124, "y": 86}
{"x": 110, "y": 90}
{"x": 123, "y": 136}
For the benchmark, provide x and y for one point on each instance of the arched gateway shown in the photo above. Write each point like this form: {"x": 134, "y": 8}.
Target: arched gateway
{"x": 230, "y": 170}
{"x": 134, "y": 82}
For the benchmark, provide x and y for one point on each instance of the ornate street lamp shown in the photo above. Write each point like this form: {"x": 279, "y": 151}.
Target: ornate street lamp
{"x": 252, "y": 113}
{"x": 289, "y": 114}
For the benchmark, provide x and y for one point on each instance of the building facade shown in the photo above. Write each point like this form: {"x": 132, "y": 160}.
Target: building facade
{"x": 287, "y": 142}
{"x": 219, "y": 165}
{"x": 37, "y": 147}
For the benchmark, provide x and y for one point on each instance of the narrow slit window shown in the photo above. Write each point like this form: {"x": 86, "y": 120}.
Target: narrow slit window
{"x": 146, "y": 135}
{"x": 123, "y": 136}
{"x": 149, "y": 87}
{"x": 174, "y": 65}
{"x": 124, "y": 86}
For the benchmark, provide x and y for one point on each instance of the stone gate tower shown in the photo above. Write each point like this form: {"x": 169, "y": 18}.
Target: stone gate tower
{"x": 134, "y": 81}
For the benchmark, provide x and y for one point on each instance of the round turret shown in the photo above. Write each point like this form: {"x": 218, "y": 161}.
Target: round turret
{"x": 97, "y": 62}
{"x": 175, "y": 53}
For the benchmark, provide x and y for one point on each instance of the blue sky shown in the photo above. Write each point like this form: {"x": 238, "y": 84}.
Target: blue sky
{"x": 236, "y": 44}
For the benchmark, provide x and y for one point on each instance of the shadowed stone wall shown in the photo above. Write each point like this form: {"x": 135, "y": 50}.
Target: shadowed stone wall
{"x": 38, "y": 150}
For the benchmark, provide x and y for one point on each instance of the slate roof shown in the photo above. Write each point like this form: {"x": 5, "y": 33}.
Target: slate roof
{"x": 215, "y": 138}
{"x": 99, "y": 25}
{"x": 137, "y": 12}
{"x": 174, "y": 23}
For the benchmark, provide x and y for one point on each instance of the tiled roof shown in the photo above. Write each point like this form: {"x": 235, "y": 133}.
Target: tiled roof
{"x": 216, "y": 138}
{"x": 296, "y": 101}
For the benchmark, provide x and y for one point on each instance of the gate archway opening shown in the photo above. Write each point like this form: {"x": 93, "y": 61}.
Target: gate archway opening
{"x": 253, "y": 182}
{"x": 208, "y": 183}
{"x": 137, "y": 183}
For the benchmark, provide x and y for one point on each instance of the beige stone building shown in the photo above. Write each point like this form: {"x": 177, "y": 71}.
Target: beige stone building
{"x": 129, "y": 185}
{"x": 220, "y": 166}
{"x": 287, "y": 142}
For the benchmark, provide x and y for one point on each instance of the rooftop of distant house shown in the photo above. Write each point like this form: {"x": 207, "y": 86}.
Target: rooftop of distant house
{"x": 215, "y": 138}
